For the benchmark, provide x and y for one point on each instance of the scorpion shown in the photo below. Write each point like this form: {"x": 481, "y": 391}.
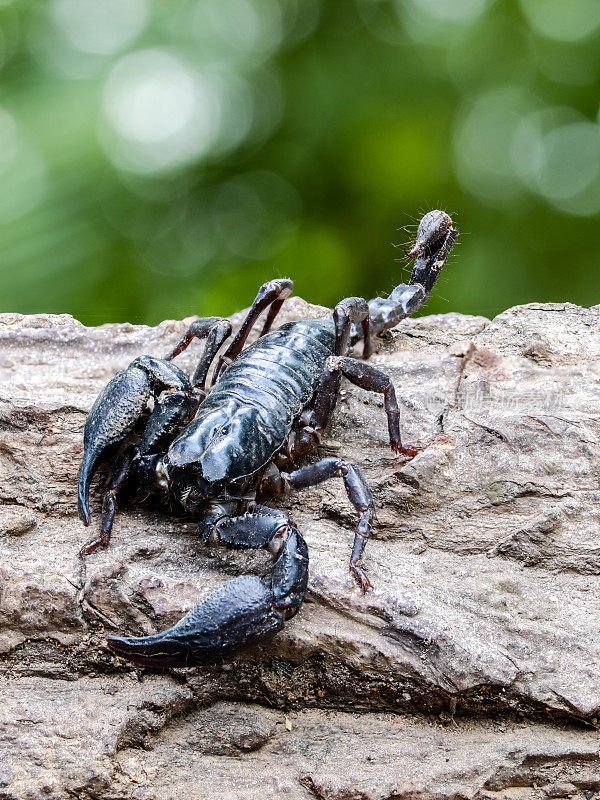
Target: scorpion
{"x": 209, "y": 449}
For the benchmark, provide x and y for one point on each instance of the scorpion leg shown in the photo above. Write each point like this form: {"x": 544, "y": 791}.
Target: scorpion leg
{"x": 365, "y": 376}
{"x": 352, "y": 310}
{"x": 245, "y": 611}
{"x": 272, "y": 293}
{"x": 215, "y": 330}
{"x": 357, "y": 490}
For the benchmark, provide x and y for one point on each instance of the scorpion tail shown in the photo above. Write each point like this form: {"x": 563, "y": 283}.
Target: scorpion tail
{"x": 240, "y": 613}
{"x": 435, "y": 238}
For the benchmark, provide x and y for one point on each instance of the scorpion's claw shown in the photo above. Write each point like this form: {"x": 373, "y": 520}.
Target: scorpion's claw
{"x": 112, "y": 417}
{"x": 117, "y": 410}
{"x": 238, "y": 614}
{"x": 150, "y": 651}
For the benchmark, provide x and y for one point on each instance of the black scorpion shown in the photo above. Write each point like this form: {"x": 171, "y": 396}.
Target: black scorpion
{"x": 210, "y": 451}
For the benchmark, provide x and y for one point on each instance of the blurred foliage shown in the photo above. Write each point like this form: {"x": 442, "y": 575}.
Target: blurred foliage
{"x": 162, "y": 159}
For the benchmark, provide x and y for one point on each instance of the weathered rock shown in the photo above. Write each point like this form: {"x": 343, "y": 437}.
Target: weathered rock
{"x": 485, "y": 561}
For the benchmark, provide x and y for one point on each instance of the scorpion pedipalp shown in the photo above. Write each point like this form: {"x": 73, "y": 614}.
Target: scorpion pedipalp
{"x": 112, "y": 417}
{"x": 117, "y": 410}
{"x": 240, "y": 613}
{"x": 236, "y": 615}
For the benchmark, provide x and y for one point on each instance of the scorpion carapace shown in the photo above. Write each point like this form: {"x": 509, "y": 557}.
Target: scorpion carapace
{"x": 210, "y": 450}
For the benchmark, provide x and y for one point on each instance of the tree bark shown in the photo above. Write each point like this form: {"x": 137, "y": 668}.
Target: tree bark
{"x": 472, "y": 668}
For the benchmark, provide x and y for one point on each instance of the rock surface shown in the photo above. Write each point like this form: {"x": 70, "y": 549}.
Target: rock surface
{"x": 471, "y": 671}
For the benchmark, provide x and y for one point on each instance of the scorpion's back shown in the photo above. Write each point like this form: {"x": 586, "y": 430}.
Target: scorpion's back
{"x": 250, "y": 411}
{"x": 280, "y": 370}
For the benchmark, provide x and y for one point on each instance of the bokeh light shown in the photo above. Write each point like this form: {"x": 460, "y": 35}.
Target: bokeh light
{"x": 567, "y": 22}
{"x": 246, "y": 30}
{"x": 103, "y": 28}
{"x": 162, "y": 159}
{"x": 160, "y": 112}
{"x": 482, "y": 143}
{"x": 570, "y": 162}
{"x": 22, "y": 171}
{"x": 450, "y": 9}
{"x": 556, "y": 152}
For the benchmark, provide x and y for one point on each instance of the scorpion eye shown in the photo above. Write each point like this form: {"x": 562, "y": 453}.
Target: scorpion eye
{"x": 224, "y": 429}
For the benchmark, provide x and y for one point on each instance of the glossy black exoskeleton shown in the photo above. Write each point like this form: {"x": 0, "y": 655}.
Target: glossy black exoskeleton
{"x": 211, "y": 451}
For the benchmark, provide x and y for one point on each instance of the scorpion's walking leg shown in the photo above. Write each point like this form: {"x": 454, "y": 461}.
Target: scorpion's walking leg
{"x": 215, "y": 330}
{"x": 242, "y": 612}
{"x": 272, "y": 293}
{"x": 363, "y": 375}
{"x": 348, "y": 312}
{"x": 357, "y": 490}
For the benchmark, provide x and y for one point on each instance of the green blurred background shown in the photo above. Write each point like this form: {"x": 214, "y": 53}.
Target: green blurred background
{"x": 162, "y": 159}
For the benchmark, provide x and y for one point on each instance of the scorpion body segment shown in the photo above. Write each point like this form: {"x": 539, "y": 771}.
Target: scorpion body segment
{"x": 263, "y": 391}
{"x": 212, "y": 451}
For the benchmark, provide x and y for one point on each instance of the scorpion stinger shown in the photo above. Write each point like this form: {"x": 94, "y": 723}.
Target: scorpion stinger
{"x": 209, "y": 452}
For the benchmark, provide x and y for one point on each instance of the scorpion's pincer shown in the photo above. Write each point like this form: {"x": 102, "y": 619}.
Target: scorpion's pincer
{"x": 236, "y": 615}
{"x": 112, "y": 417}
{"x": 120, "y": 406}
